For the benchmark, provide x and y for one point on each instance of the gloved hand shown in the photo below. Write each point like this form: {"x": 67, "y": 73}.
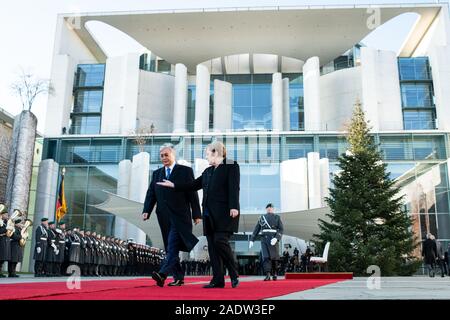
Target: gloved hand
{"x": 1, "y": 223}
{"x": 250, "y": 245}
{"x": 38, "y": 250}
{"x": 273, "y": 241}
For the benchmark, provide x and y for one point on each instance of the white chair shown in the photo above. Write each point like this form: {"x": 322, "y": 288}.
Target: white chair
{"x": 323, "y": 260}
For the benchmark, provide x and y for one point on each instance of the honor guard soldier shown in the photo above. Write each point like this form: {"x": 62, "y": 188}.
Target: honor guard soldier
{"x": 52, "y": 251}
{"x": 61, "y": 244}
{"x": 75, "y": 250}
{"x": 40, "y": 251}
{"x": 271, "y": 229}
{"x": 16, "y": 249}
{"x": 5, "y": 242}
{"x": 84, "y": 254}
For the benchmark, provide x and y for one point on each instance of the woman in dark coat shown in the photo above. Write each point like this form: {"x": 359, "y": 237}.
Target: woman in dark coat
{"x": 220, "y": 185}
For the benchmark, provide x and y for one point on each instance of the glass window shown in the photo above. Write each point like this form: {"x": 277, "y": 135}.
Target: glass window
{"x": 90, "y": 75}
{"x": 332, "y": 147}
{"x": 164, "y": 66}
{"x": 419, "y": 119}
{"x": 105, "y": 151}
{"x": 396, "y": 148}
{"x": 85, "y": 124}
{"x": 416, "y": 95}
{"x": 74, "y": 151}
{"x": 297, "y": 147}
{"x": 429, "y": 147}
{"x": 414, "y": 68}
{"x": 88, "y": 101}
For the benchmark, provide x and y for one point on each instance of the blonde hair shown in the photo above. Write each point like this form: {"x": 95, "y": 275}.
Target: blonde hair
{"x": 217, "y": 147}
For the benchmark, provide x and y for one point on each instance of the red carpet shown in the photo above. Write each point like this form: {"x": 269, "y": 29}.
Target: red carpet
{"x": 145, "y": 289}
{"x": 320, "y": 275}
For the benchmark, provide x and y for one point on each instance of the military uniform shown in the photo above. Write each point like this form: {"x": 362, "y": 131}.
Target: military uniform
{"x": 52, "y": 253}
{"x": 74, "y": 249}
{"x": 271, "y": 227}
{"x": 5, "y": 245}
{"x": 61, "y": 245}
{"x": 40, "y": 251}
{"x": 16, "y": 251}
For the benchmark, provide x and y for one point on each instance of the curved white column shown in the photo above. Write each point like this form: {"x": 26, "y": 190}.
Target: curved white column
{"x": 286, "y": 106}
{"x": 21, "y": 162}
{"x": 202, "y": 99}
{"x": 311, "y": 89}
{"x": 294, "y": 185}
{"x": 314, "y": 193}
{"x": 180, "y": 98}
{"x": 222, "y": 105}
{"x": 324, "y": 179}
{"x": 277, "y": 102}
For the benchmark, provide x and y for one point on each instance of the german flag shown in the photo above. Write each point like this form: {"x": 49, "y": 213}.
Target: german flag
{"x": 61, "y": 206}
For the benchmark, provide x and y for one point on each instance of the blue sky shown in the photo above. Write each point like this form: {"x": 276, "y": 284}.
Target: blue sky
{"x": 28, "y": 31}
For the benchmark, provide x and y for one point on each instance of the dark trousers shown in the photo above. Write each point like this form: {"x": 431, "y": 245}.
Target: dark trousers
{"x": 172, "y": 262}
{"x": 12, "y": 268}
{"x": 220, "y": 254}
{"x": 39, "y": 268}
{"x": 270, "y": 266}
{"x": 1, "y": 266}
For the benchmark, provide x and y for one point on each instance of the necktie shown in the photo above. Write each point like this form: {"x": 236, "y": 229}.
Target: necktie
{"x": 167, "y": 173}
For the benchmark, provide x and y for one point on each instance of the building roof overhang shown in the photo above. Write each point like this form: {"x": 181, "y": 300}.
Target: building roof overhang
{"x": 199, "y": 35}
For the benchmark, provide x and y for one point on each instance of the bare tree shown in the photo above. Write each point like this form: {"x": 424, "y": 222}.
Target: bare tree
{"x": 141, "y": 136}
{"x": 28, "y": 87}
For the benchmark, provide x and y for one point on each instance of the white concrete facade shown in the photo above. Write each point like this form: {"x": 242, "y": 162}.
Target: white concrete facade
{"x": 311, "y": 89}
{"x": 294, "y": 185}
{"x": 155, "y": 102}
{"x": 381, "y": 99}
{"x": 120, "y": 94}
{"x": 202, "y": 99}
{"x": 180, "y": 99}
{"x": 286, "y": 106}
{"x": 277, "y": 102}
{"x": 314, "y": 181}
{"x": 223, "y": 103}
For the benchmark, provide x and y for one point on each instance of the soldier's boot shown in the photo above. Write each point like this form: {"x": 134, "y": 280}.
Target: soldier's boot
{"x": 267, "y": 278}
{"x": 1, "y": 267}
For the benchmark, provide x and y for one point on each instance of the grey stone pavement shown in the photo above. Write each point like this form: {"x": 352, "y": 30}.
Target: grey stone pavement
{"x": 391, "y": 288}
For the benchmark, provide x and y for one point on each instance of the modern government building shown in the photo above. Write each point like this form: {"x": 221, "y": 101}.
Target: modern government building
{"x": 276, "y": 84}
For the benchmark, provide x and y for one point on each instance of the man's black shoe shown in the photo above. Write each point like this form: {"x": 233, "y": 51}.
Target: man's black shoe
{"x": 267, "y": 278}
{"x": 234, "y": 283}
{"x": 176, "y": 283}
{"x": 159, "y": 278}
{"x": 274, "y": 278}
{"x": 214, "y": 285}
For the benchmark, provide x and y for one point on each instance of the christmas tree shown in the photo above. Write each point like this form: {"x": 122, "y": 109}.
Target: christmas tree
{"x": 368, "y": 224}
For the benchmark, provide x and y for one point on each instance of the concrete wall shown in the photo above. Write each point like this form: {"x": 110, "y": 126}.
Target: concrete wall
{"x": 311, "y": 89}
{"x": 336, "y": 99}
{"x": 294, "y": 185}
{"x": 156, "y": 101}
{"x": 223, "y": 94}
{"x": 68, "y": 52}
{"x": 120, "y": 95}
{"x": 381, "y": 99}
